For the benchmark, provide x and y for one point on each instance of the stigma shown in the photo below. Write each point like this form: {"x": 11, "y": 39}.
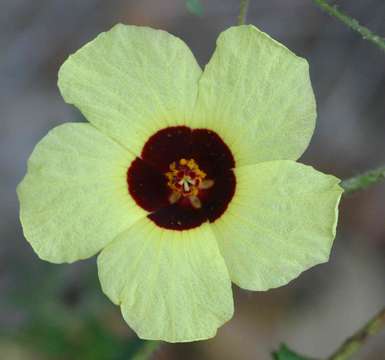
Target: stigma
{"x": 186, "y": 180}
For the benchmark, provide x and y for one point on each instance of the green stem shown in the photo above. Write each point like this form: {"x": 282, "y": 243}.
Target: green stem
{"x": 363, "y": 181}
{"x": 244, "y": 6}
{"x": 147, "y": 350}
{"x": 352, "y": 23}
{"x": 357, "y": 340}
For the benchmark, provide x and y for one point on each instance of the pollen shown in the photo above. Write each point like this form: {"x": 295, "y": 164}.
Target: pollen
{"x": 186, "y": 180}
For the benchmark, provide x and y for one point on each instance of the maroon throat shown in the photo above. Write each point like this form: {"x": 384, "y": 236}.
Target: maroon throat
{"x": 183, "y": 178}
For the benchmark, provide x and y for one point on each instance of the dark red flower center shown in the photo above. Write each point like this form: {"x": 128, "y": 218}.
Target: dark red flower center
{"x": 183, "y": 178}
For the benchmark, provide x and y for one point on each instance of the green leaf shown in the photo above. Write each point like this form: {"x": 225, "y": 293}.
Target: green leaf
{"x": 284, "y": 353}
{"x": 195, "y": 7}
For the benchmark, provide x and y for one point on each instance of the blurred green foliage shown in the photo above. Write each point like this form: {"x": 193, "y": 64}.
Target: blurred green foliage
{"x": 284, "y": 353}
{"x": 91, "y": 341}
{"x": 66, "y": 316}
{"x": 195, "y": 7}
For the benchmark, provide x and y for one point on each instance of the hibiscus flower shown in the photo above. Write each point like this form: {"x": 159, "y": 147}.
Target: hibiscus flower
{"x": 183, "y": 180}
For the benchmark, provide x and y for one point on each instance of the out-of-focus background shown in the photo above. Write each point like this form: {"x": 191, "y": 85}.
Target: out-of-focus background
{"x": 59, "y": 312}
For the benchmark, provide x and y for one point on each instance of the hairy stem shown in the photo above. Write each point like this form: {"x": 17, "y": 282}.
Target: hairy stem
{"x": 357, "y": 340}
{"x": 352, "y": 23}
{"x": 363, "y": 181}
{"x": 244, "y": 6}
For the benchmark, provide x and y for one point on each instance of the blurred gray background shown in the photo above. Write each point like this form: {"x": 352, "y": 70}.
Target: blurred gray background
{"x": 59, "y": 312}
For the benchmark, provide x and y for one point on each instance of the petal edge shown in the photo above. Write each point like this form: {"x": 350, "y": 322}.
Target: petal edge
{"x": 281, "y": 222}
{"x": 257, "y": 95}
{"x": 171, "y": 285}
{"x": 132, "y": 81}
{"x": 74, "y": 198}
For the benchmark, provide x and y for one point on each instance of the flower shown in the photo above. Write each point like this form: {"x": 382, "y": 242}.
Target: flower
{"x": 184, "y": 181}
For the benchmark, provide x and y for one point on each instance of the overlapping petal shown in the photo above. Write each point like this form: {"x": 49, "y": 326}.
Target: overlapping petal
{"x": 131, "y": 82}
{"x": 74, "y": 199}
{"x": 281, "y": 221}
{"x": 257, "y": 95}
{"x": 171, "y": 285}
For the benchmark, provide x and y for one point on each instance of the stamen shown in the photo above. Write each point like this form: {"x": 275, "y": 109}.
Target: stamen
{"x": 206, "y": 184}
{"x": 186, "y": 179}
{"x": 195, "y": 202}
{"x": 174, "y": 197}
{"x": 186, "y": 185}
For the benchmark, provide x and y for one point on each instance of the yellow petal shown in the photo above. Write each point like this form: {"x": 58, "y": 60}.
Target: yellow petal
{"x": 74, "y": 198}
{"x": 132, "y": 81}
{"x": 171, "y": 285}
{"x": 281, "y": 221}
{"x": 256, "y": 94}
